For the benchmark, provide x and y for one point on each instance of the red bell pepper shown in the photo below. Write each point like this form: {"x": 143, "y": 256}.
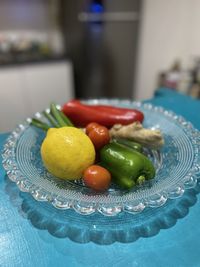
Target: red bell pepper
{"x": 82, "y": 114}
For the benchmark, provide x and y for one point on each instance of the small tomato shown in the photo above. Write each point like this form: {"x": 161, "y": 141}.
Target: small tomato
{"x": 97, "y": 177}
{"x": 91, "y": 126}
{"x": 99, "y": 136}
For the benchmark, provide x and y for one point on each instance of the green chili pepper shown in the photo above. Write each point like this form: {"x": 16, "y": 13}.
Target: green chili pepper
{"x": 127, "y": 166}
{"x": 128, "y": 143}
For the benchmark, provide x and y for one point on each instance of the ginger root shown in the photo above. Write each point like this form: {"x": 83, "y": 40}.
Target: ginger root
{"x": 149, "y": 138}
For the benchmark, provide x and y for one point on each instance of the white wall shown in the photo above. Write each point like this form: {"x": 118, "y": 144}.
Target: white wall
{"x": 170, "y": 30}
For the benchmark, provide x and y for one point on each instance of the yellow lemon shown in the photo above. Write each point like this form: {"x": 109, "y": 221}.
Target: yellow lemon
{"x": 66, "y": 152}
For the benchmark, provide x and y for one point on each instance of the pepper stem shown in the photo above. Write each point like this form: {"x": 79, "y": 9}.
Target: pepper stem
{"x": 141, "y": 179}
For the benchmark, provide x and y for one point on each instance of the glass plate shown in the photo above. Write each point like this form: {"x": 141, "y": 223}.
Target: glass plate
{"x": 124, "y": 227}
{"x": 177, "y": 166}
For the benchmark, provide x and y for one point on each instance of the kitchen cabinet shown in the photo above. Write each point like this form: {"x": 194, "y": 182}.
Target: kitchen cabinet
{"x": 26, "y": 89}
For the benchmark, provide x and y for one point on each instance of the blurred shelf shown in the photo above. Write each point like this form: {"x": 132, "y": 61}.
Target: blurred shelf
{"x": 32, "y": 60}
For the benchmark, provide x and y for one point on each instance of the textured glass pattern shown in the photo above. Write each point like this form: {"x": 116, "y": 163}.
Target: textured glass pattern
{"x": 124, "y": 227}
{"x": 177, "y": 167}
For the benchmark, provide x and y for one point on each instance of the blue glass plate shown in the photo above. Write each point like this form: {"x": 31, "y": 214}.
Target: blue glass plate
{"x": 177, "y": 167}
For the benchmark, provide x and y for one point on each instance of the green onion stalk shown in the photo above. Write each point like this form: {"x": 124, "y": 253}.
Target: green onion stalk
{"x": 56, "y": 118}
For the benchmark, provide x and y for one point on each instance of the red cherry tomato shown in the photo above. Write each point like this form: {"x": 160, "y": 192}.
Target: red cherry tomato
{"x": 97, "y": 177}
{"x": 91, "y": 126}
{"x": 99, "y": 136}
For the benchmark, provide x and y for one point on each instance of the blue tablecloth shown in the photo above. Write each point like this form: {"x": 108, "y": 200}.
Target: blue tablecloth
{"x": 23, "y": 245}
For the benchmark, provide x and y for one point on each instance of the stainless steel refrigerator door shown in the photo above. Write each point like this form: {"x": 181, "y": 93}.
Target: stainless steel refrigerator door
{"x": 103, "y": 47}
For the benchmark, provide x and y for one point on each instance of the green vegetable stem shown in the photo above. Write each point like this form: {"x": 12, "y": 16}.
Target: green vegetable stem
{"x": 56, "y": 118}
{"x": 39, "y": 124}
{"x": 56, "y": 114}
{"x": 65, "y": 119}
{"x": 50, "y": 119}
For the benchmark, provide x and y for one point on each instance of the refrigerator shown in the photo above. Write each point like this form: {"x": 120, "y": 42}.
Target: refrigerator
{"x": 101, "y": 40}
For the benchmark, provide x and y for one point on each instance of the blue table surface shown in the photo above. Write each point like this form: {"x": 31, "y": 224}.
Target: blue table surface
{"x": 21, "y": 244}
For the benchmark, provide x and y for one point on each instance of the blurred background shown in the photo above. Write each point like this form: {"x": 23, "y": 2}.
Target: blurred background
{"x": 55, "y": 50}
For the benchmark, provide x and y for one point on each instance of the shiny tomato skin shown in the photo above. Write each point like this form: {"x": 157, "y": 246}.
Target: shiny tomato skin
{"x": 97, "y": 178}
{"x": 99, "y": 136}
{"x": 91, "y": 126}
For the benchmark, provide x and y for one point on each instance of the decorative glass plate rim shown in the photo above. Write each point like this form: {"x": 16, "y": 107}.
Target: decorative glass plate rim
{"x": 87, "y": 206}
